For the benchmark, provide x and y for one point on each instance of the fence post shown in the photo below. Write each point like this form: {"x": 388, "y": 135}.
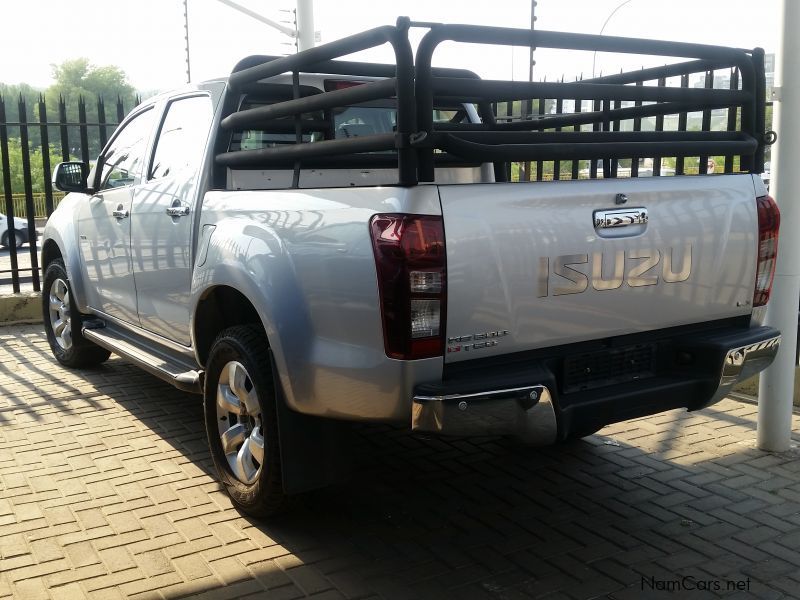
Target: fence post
{"x": 28, "y": 186}
{"x": 62, "y": 119}
{"x": 83, "y": 130}
{"x": 46, "y": 171}
{"x": 7, "y": 190}
{"x": 101, "y": 123}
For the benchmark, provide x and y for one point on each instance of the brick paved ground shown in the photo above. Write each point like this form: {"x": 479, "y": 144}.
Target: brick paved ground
{"x": 106, "y": 491}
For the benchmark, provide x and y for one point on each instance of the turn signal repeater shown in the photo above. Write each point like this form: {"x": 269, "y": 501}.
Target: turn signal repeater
{"x": 412, "y": 281}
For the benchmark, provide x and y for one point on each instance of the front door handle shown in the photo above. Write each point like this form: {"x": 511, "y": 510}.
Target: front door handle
{"x": 121, "y": 212}
{"x": 178, "y": 211}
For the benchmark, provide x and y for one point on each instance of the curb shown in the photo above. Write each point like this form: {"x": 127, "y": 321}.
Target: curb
{"x": 16, "y": 309}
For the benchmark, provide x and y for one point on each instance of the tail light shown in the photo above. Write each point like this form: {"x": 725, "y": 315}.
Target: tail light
{"x": 410, "y": 261}
{"x": 769, "y": 220}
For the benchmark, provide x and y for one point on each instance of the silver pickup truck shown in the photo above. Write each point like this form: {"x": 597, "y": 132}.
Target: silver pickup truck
{"x": 311, "y": 241}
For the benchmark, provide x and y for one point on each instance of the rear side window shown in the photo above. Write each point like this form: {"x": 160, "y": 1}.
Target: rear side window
{"x": 182, "y": 137}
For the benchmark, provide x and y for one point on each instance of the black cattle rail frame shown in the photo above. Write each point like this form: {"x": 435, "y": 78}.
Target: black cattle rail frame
{"x": 420, "y": 144}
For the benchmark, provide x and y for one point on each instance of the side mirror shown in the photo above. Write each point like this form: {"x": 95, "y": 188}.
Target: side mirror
{"x": 71, "y": 177}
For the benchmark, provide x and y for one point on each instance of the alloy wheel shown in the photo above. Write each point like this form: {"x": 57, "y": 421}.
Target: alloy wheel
{"x": 60, "y": 319}
{"x": 239, "y": 422}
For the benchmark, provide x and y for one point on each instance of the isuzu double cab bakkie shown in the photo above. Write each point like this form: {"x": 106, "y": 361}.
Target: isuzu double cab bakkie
{"x": 314, "y": 240}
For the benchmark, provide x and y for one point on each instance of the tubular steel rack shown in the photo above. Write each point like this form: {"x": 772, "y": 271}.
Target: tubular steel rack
{"x": 420, "y": 144}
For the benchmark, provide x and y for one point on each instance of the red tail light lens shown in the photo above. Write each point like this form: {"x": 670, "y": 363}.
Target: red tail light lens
{"x": 410, "y": 261}
{"x": 769, "y": 220}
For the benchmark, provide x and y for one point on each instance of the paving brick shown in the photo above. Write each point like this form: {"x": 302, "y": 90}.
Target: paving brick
{"x": 230, "y": 570}
{"x": 71, "y": 591}
{"x": 90, "y": 518}
{"x": 82, "y": 554}
{"x": 117, "y": 559}
{"x": 27, "y": 511}
{"x": 120, "y": 540}
{"x": 226, "y": 533}
{"x": 31, "y": 589}
{"x": 13, "y": 545}
{"x": 77, "y": 574}
{"x": 150, "y": 584}
{"x": 124, "y": 522}
{"x": 308, "y": 579}
{"x": 109, "y": 582}
{"x": 158, "y": 525}
{"x": 154, "y": 562}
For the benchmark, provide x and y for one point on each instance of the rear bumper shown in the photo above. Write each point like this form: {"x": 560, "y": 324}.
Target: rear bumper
{"x": 694, "y": 371}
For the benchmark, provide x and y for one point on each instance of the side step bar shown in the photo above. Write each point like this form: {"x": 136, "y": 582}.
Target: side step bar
{"x": 174, "y": 372}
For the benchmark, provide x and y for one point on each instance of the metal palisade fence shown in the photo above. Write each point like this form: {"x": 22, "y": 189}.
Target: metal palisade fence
{"x": 724, "y": 119}
{"x": 32, "y": 142}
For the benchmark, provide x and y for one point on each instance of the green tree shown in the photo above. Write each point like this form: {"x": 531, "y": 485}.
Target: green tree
{"x": 37, "y": 171}
{"x": 78, "y": 78}
{"x": 11, "y": 94}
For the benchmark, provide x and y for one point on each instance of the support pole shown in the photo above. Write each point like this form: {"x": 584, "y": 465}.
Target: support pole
{"x": 305, "y": 24}
{"x": 186, "y": 39}
{"x": 776, "y": 387}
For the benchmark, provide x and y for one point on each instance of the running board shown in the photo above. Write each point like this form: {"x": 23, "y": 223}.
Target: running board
{"x": 173, "y": 371}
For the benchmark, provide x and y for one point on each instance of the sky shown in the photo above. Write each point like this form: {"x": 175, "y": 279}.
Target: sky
{"x": 146, "y": 38}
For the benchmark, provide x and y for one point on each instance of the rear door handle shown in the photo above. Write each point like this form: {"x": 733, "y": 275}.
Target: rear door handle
{"x": 178, "y": 211}
{"x": 121, "y": 212}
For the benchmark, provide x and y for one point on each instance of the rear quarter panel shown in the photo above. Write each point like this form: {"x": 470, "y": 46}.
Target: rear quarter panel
{"x": 304, "y": 259}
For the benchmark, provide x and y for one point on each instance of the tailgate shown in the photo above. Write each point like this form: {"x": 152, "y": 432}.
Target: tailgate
{"x": 543, "y": 264}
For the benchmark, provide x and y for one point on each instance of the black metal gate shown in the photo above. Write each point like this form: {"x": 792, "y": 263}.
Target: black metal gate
{"x": 29, "y": 135}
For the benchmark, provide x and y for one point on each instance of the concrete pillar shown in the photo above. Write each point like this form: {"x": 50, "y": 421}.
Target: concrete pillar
{"x": 305, "y": 24}
{"x": 776, "y": 387}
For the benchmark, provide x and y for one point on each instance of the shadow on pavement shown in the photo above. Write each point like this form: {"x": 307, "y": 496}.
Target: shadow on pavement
{"x": 648, "y": 508}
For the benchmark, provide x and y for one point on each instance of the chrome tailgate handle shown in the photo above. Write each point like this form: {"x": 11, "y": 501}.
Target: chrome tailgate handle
{"x": 606, "y": 219}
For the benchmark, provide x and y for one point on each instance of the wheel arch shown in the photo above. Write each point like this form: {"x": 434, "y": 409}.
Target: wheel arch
{"x": 218, "y": 308}
{"x": 59, "y": 240}
{"x": 50, "y": 252}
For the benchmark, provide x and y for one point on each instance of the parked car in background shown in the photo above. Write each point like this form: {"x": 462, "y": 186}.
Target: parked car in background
{"x": 21, "y": 228}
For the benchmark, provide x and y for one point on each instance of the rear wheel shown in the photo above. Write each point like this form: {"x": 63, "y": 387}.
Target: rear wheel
{"x": 63, "y": 322}
{"x": 19, "y": 238}
{"x": 241, "y": 420}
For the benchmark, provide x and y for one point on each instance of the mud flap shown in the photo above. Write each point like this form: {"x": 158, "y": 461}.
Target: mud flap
{"x": 315, "y": 452}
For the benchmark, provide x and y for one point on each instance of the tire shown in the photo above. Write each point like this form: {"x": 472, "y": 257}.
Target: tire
{"x": 19, "y": 237}
{"x": 574, "y": 436}
{"x": 63, "y": 322}
{"x": 241, "y": 420}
